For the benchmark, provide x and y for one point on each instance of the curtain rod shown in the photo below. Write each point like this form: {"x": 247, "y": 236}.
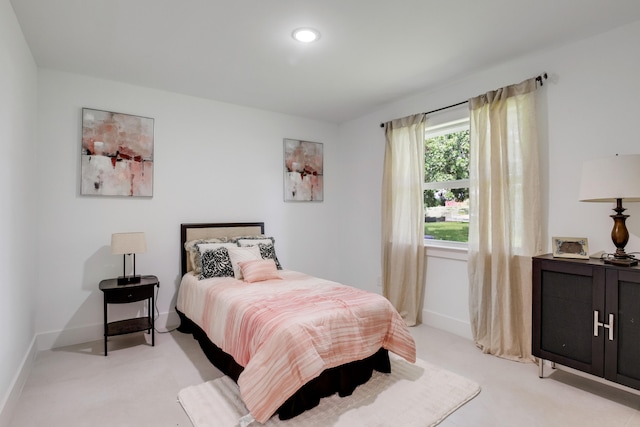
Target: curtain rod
{"x": 539, "y": 79}
{"x": 439, "y": 109}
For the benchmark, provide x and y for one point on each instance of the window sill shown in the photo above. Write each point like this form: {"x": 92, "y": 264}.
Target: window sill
{"x": 447, "y": 250}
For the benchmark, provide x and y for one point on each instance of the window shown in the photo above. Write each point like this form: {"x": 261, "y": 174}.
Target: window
{"x": 446, "y": 187}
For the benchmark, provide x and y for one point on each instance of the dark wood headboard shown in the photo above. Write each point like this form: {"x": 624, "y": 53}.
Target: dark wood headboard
{"x": 209, "y": 230}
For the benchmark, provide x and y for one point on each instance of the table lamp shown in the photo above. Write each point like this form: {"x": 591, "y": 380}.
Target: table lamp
{"x": 613, "y": 179}
{"x": 128, "y": 244}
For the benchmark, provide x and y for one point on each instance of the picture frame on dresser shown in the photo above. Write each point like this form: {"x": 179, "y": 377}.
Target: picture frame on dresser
{"x": 570, "y": 247}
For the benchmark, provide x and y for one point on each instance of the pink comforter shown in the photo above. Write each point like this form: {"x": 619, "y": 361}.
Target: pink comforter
{"x": 286, "y": 332}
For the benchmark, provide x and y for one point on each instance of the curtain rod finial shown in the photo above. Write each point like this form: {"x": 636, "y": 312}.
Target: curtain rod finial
{"x": 540, "y": 78}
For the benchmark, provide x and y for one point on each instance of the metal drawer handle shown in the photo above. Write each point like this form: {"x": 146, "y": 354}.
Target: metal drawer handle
{"x": 597, "y": 324}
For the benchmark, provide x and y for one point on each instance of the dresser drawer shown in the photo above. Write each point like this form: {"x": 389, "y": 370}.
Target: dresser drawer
{"x": 124, "y": 295}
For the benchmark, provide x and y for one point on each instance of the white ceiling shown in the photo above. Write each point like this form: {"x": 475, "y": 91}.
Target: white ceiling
{"x": 371, "y": 51}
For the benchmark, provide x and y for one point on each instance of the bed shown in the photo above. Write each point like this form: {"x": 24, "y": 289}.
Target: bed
{"x": 286, "y": 338}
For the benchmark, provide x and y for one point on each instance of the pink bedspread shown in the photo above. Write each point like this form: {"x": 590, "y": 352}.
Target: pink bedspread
{"x": 286, "y": 332}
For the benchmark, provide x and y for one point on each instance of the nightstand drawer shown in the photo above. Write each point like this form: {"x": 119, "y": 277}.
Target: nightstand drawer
{"x": 125, "y": 295}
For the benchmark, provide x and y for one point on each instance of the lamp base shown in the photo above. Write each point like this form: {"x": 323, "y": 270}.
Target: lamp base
{"x": 128, "y": 280}
{"x": 622, "y": 262}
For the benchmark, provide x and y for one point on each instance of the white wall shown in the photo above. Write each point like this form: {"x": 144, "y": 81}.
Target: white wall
{"x": 221, "y": 162}
{"x": 587, "y": 109}
{"x": 214, "y": 162}
{"x": 18, "y": 187}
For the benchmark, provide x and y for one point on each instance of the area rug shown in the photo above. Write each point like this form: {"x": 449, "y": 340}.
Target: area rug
{"x": 417, "y": 395}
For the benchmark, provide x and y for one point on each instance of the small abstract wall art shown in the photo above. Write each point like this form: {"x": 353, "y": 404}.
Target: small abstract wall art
{"x": 117, "y": 154}
{"x": 303, "y": 171}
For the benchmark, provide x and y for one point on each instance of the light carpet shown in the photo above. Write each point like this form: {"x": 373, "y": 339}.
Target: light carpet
{"x": 419, "y": 395}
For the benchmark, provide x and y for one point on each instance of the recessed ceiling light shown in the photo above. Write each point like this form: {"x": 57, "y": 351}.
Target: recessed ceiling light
{"x": 305, "y": 35}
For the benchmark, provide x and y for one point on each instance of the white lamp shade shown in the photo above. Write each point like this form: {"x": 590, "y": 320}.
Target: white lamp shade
{"x": 128, "y": 243}
{"x": 611, "y": 178}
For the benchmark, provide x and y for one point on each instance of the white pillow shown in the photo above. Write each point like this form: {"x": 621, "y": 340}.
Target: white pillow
{"x": 240, "y": 254}
{"x": 210, "y": 246}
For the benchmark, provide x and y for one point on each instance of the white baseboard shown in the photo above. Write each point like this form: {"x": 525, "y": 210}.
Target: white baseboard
{"x": 10, "y": 401}
{"x": 83, "y": 334}
{"x": 167, "y": 321}
{"x": 446, "y": 323}
{"x": 71, "y": 336}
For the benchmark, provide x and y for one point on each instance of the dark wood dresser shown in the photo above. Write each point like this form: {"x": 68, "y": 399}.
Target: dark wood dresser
{"x": 586, "y": 315}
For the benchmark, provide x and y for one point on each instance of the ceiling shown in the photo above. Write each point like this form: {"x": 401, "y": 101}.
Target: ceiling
{"x": 370, "y": 52}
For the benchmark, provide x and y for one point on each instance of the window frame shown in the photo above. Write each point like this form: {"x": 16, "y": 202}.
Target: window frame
{"x": 454, "y": 121}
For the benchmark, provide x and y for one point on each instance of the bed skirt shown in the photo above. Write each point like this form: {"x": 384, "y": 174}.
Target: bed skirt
{"x": 341, "y": 379}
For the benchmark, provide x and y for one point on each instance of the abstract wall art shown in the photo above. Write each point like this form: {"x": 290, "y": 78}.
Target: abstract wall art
{"x": 117, "y": 154}
{"x": 303, "y": 171}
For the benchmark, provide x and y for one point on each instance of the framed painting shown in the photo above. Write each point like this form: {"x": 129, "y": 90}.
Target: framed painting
{"x": 303, "y": 171}
{"x": 117, "y": 154}
{"x": 570, "y": 247}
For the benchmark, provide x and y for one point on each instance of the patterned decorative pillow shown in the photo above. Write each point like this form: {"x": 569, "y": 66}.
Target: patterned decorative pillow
{"x": 193, "y": 253}
{"x": 216, "y": 263}
{"x": 203, "y": 246}
{"x": 268, "y": 251}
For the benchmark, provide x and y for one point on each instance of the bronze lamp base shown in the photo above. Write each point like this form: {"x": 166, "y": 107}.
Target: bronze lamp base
{"x": 620, "y": 237}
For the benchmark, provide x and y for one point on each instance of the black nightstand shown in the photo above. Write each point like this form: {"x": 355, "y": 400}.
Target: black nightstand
{"x": 122, "y": 294}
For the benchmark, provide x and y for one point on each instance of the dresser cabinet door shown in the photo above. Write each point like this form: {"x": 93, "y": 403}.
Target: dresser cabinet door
{"x": 622, "y": 355}
{"x": 566, "y": 295}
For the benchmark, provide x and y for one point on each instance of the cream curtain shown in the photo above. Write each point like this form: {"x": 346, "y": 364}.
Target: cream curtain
{"x": 403, "y": 216}
{"x": 504, "y": 224}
